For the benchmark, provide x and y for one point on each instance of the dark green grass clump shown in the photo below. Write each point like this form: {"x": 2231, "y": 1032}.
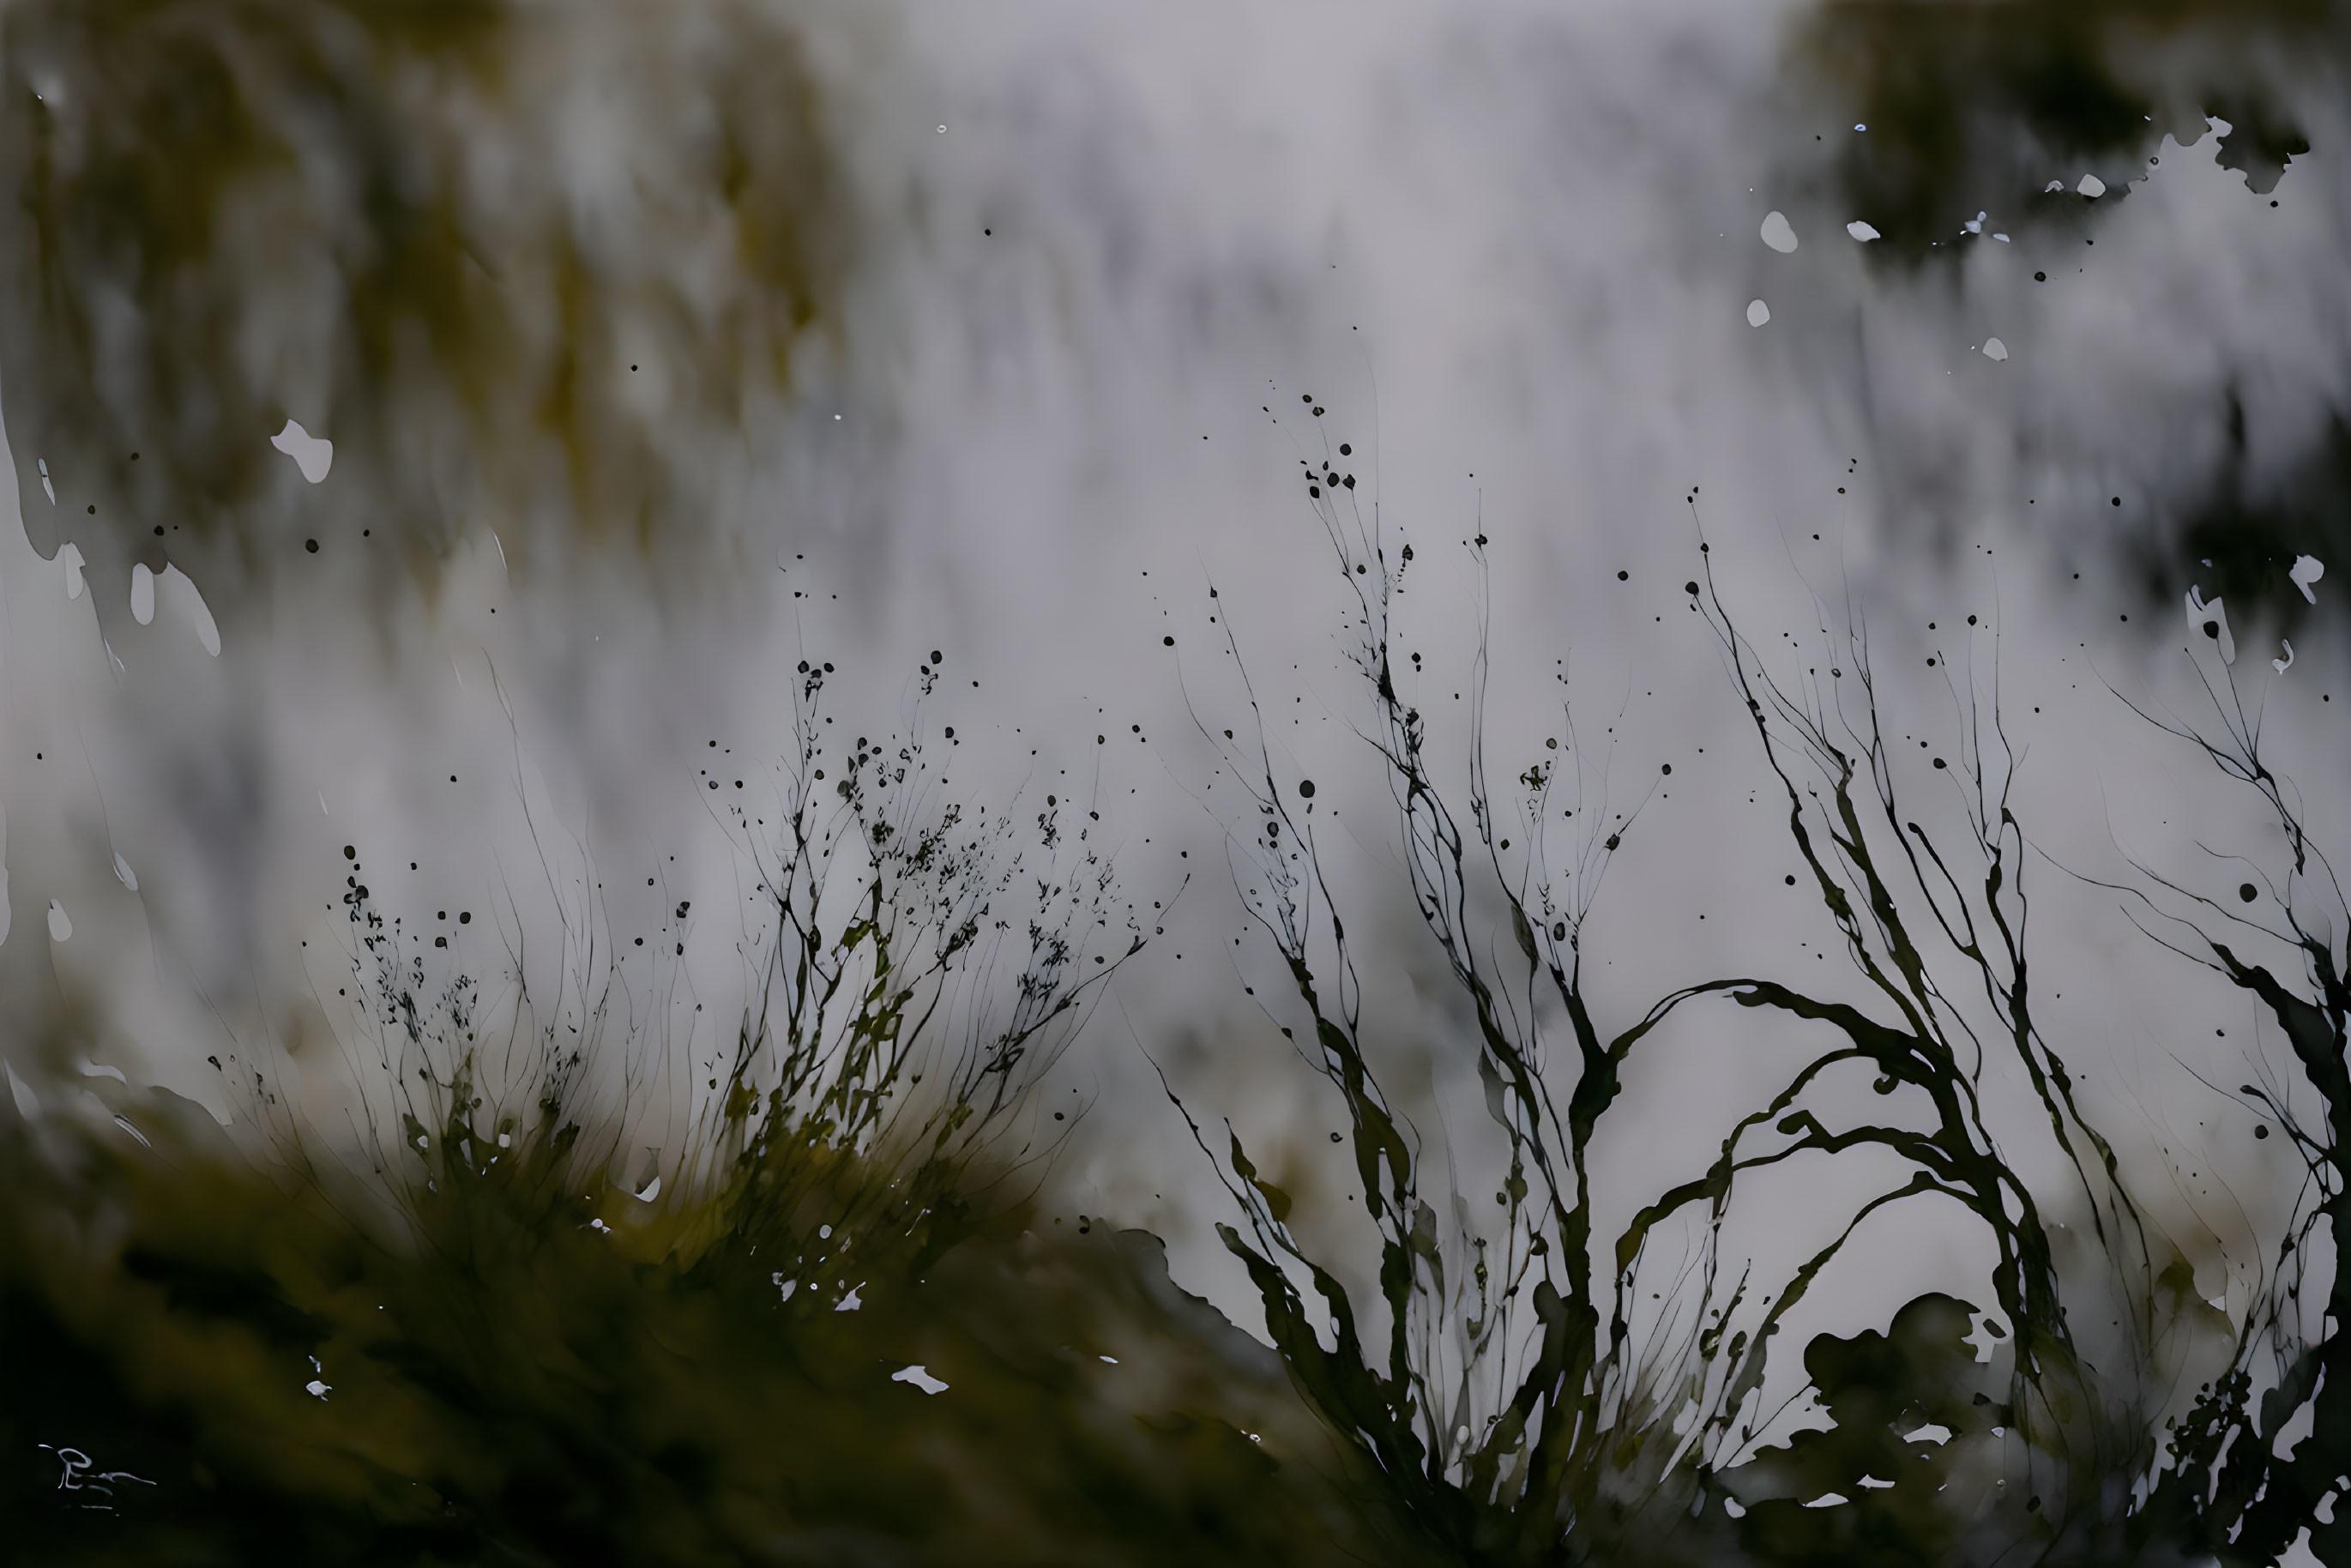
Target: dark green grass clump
{"x": 502, "y": 1381}
{"x": 480, "y": 1334}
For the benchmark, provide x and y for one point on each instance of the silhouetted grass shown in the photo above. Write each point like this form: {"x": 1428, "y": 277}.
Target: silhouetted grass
{"x": 488, "y": 1342}
{"x": 1517, "y": 1416}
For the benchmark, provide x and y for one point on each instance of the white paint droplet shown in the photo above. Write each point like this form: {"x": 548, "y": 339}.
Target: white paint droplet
{"x": 2307, "y": 570}
{"x": 1861, "y": 231}
{"x": 1778, "y": 233}
{"x": 28, "y": 1104}
{"x": 653, "y": 1191}
{"x": 849, "y": 1303}
{"x": 142, "y": 595}
{"x": 123, "y": 873}
{"x": 2092, "y": 186}
{"x": 1930, "y": 1433}
{"x": 920, "y": 1377}
{"x": 69, "y": 557}
{"x": 1826, "y": 1499}
{"x": 1994, "y": 348}
{"x": 313, "y": 455}
{"x": 60, "y": 923}
{"x": 1758, "y": 313}
{"x": 2052, "y": 185}
{"x": 180, "y": 588}
{"x": 2283, "y": 665}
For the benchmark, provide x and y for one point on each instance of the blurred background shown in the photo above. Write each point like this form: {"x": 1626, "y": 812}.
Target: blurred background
{"x": 662, "y": 347}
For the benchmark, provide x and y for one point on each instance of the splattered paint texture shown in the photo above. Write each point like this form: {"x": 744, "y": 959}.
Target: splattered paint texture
{"x": 789, "y": 782}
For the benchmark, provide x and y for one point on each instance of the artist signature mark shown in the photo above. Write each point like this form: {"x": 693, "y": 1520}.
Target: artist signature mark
{"x": 91, "y": 1486}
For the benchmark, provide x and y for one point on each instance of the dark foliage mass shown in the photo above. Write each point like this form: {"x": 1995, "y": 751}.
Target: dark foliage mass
{"x": 1969, "y": 105}
{"x": 845, "y": 1335}
{"x": 227, "y": 213}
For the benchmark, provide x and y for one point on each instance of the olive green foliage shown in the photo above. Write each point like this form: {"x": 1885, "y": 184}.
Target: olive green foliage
{"x": 1912, "y": 1412}
{"x": 357, "y": 213}
{"x": 503, "y": 1382}
{"x": 1974, "y": 104}
{"x": 524, "y": 1352}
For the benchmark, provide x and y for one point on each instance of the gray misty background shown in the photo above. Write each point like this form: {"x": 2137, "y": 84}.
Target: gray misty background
{"x": 661, "y": 348}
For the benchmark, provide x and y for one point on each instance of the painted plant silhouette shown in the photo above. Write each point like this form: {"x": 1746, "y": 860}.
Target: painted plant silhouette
{"x": 523, "y": 1346}
{"x": 1506, "y": 1398}
{"x": 517, "y": 1344}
